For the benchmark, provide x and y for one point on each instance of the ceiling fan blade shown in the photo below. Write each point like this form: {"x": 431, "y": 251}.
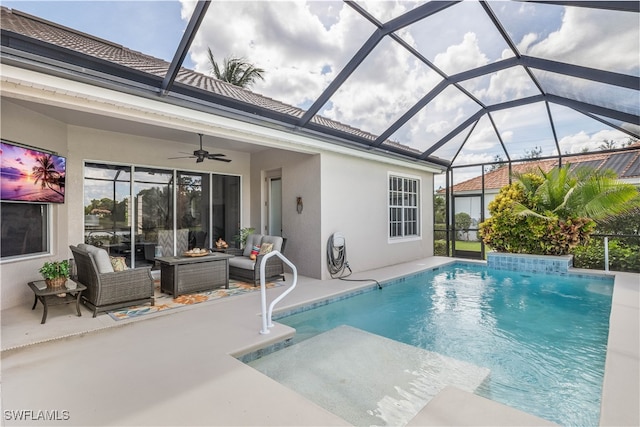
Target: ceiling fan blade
{"x": 221, "y": 160}
{"x": 184, "y": 157}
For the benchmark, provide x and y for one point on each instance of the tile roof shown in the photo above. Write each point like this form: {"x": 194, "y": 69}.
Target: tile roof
{"x": 58, "y": 35}
{"x": 626, "y": 164}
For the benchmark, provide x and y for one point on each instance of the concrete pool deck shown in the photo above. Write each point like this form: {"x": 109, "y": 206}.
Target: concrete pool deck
{"x": 178, "y": 367}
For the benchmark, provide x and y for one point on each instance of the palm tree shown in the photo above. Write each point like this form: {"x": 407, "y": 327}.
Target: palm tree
{"x": 236, "y": 71}
{"x": 46, "y": 173}
{"x": 581, "y": 192}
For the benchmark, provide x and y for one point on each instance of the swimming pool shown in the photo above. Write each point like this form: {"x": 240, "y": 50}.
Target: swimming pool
{"x": 543, "y": 337}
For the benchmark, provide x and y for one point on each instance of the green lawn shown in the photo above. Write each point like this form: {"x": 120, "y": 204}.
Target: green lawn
{"x": 463, "y": 245}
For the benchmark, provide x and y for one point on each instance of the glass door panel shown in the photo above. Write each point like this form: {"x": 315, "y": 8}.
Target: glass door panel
{"x": 192, "y": 211}
{"x": 153, "y": 214}
{"x": 107, "y": 196}
{"x": 226, "y": 208}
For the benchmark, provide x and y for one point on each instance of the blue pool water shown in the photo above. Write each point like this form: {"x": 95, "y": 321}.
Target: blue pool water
{"x": 543, "y": 337}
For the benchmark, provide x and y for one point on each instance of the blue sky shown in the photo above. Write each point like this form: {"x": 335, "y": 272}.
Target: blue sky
{"x": 303, "y": 45}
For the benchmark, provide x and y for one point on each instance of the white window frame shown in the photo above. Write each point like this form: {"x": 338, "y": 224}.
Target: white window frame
{"x": 403, "y": 207}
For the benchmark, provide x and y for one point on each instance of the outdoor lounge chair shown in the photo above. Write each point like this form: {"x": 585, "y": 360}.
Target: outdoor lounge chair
{"x": 108, "y": 289}
{"x": 242, "y": 267}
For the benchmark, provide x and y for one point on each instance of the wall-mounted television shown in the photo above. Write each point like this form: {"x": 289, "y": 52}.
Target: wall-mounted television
{"x": 31, "y": 175}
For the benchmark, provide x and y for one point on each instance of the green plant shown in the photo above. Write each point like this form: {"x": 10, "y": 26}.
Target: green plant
{"x": 550, "y": 213}
{"x": 54, "y": 269}
{"x": 622, "y": 256}
{"x": 440, "y": 247}
{"x": 241, "y": 238}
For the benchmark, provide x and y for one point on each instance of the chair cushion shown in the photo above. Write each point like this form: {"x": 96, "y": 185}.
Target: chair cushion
{"x": 101, "y": 258}
{"x": 252, "y": 240}
{"x": 242, "y": 262}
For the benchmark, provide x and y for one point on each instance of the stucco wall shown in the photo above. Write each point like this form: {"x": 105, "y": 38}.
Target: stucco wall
{"x": 355, "y": 203}
{"x": 300, "y": 178}
{"x": 28, "y": 127}
{"x": 340, "y": 193}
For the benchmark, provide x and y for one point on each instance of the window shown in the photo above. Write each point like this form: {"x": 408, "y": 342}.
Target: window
{"x": 25, "y": 229}
{"x": 404, "y": 214}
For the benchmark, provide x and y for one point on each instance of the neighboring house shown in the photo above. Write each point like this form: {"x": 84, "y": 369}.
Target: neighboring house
{"x": 88, "y": 100}
{"x": 467, "y": 194}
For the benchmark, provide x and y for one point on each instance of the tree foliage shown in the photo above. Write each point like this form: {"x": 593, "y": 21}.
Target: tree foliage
{"x": 237, "y": 71}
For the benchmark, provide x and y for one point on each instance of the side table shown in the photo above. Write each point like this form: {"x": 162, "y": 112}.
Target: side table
{"x": 49, "y": 296}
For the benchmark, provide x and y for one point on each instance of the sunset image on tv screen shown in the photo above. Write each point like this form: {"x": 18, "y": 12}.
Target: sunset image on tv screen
{"x": 31, "y": 175}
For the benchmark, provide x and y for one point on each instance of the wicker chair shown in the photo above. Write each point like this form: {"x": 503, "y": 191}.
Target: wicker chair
{"x": 241, "y": 267}
{"x": 109, "y": 290}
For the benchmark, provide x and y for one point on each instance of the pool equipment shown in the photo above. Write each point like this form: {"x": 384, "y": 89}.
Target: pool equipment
{"x": 337, "y": 259}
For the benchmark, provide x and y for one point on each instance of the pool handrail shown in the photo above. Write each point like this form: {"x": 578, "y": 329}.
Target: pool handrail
{"x": 266, "y": 314}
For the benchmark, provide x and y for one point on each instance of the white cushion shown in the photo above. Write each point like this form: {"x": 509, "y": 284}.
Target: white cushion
{"x": 101, "y": 258}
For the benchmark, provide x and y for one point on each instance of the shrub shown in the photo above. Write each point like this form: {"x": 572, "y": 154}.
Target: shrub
{"x": 509, "y": 231}
{"x": 550, "y": 213}
{"x": 622, "y": 256}
{"x": 440, "y": 247}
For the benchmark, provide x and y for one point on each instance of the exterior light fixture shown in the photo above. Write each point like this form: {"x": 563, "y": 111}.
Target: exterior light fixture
{"x": 299, "y": 205}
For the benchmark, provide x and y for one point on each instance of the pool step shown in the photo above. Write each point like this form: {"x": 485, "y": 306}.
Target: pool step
{"x": 367, "y": 379}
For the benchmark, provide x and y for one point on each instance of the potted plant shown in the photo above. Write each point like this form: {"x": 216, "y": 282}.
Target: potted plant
{"x": 242, "y": 237}
{"x": 55, "y": 273}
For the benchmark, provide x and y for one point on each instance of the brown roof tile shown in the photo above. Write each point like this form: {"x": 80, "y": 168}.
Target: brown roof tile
{"x": 500, "y": 177}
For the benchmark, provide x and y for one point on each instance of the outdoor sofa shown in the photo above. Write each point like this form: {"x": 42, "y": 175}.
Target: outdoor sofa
{"x": 108, "y": 289}
{"x": 242, "y": 267}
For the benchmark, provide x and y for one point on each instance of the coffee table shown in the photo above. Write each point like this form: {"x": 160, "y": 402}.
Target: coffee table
{"x": 49, "y": 296}
{"x": 183, "y": 275}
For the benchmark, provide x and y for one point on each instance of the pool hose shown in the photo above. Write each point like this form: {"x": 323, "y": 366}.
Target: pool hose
{"x": 337, "y": 260}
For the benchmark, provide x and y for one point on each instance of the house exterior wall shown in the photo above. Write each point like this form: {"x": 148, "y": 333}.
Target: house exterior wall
{"x": 23, "y": 125}
{"x": 300, "y": 178}
{"x": 80, "y": 144}
{"x": 355, "y": 203}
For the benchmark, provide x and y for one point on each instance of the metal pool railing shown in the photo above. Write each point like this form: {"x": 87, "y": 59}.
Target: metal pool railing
{"x": 266, "y": 314}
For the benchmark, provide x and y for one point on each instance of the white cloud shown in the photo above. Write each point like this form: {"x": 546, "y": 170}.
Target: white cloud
{"x": 463, "y": 56}
{"x": 593, "y": 38}
{"x": 294, "y": 51}
{"x": 582, "y": 141}
{"x": 304, "y": 45}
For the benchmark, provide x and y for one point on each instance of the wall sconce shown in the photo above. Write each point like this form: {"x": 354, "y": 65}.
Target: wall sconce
{"x": 299, "y": 205}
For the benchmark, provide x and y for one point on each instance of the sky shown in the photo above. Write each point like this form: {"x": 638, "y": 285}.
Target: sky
{"x": 302, "y": 46}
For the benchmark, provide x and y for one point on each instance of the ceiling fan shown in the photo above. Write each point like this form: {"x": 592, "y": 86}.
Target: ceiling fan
{"x": 201, "y": 154}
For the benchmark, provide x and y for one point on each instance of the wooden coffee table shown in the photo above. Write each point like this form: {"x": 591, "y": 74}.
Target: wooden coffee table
{"x": 49, "y": 296}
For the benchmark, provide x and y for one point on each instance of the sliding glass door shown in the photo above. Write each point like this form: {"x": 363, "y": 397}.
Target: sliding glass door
{"x": 140, "y": 213}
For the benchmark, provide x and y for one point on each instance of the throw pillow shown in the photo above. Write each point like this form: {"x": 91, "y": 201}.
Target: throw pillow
{"x": 118, "y": 263}
{"x": 266, "y": 248}
{"x": 255, "y": 250}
